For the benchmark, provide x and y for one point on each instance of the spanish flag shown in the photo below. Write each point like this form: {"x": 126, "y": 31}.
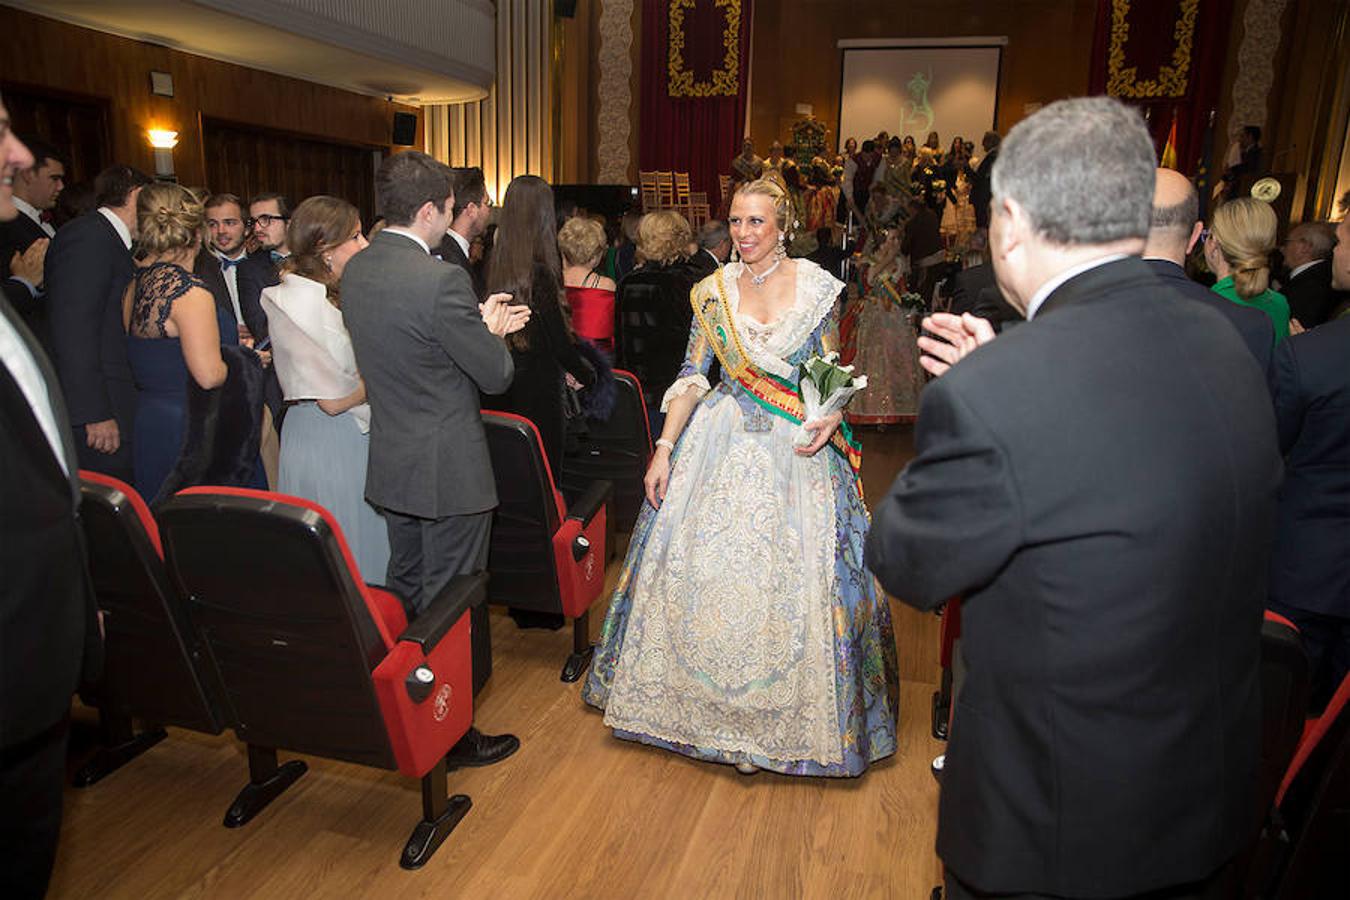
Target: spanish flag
{"x": 1169, "y": 154}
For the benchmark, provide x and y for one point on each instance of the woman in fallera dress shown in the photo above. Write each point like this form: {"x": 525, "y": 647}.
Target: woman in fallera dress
{"x": 326, "y": 441}
{"x": 744, "y": 628}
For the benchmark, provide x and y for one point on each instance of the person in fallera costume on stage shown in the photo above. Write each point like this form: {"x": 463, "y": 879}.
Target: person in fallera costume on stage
{"x": 743, "y": 629}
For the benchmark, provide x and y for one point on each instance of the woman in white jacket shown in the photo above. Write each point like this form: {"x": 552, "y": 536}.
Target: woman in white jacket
{"x": 325, "y": 440}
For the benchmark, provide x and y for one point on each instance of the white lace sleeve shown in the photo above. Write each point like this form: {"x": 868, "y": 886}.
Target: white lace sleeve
{"x": 695, "y": 382}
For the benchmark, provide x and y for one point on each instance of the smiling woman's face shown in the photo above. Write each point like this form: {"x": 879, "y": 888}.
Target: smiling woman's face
{"x": 754, "y": 226}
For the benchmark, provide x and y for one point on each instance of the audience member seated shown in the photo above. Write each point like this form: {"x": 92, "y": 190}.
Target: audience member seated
{"x": 87, "y": 270}
{"x": 654, "y": 311}
{"x": 1310, "y": 566}
{"x": 526, "y": 264}
{"x": 173, "y": 332}
{"x": 1238, "y": 253}
{"x": 1174, "y": 231}
{"x": 1307, "y": 254}
{"x": 590, "y": 296}
{"x": 327, "y": 438}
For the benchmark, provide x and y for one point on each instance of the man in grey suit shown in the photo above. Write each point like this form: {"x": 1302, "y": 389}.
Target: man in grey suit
{"x": 426, "y": 348}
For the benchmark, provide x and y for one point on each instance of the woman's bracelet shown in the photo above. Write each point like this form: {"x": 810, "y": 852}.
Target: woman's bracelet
{"x": 669, "y": 445}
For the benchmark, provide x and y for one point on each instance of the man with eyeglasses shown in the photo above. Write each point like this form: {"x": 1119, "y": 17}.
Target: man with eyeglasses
{"x": 473, "y": 209}
{"x": 269, "y": 215}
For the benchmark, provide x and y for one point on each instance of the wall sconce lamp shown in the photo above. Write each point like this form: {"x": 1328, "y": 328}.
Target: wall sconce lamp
{"x": 163, "y": 142}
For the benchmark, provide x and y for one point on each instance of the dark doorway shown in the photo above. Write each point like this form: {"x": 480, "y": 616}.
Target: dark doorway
{"x": 245, "y": 160}
{"x": 74, "y": 124}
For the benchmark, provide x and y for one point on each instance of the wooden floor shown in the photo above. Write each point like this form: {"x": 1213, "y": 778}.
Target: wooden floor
{"x": 575, "y": 813}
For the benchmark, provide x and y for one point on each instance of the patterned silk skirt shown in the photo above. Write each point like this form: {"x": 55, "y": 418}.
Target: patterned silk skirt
{"x": 744, "y": 627}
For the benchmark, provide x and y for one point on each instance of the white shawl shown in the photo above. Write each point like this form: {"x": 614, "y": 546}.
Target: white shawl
{"x": 311, "y": 349}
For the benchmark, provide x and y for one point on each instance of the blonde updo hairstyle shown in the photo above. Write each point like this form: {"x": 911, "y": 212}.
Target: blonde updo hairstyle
{"x": 318, "y": 225}
{"x": 582, "y": 241}
{"x": 664, "y": 236}
{"x": 1244, "y": 233}
{"x": 169, "y": 218}
{"x": 782, "y": 203}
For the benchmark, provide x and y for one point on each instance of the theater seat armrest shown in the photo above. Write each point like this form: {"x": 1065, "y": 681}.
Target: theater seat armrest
{"x": 591, "y": 502}
{"x": 453, "y": 601}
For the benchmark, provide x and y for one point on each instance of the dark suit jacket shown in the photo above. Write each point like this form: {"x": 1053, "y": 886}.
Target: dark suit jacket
{"x": 1252, "y": 325}
{"x": 207, "y": 267}
{"x": 449, "y": 251}
{"x": 49, "y": 634}
{"x": 1099, "y": 484}
{"x": 1310, "y": 295}
{"x": 253, "y": 274}
{"x": 425, "y": 353}
{"x": 1310, "y": 378}
{"x": 975, "y": 291}
{"x": 981, "y": 190}
{"x": 16, "y": 236}
{"x": 87, "y": 270}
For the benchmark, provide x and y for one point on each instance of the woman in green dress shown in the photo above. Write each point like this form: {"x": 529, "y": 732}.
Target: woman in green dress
{"x": 1238, "y": 253}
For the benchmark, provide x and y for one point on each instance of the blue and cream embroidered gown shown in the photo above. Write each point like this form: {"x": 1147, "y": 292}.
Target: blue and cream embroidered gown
{"x": 744, "y": 627}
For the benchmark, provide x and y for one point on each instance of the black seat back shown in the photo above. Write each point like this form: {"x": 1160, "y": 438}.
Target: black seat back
{"x": 653, "y": 325}
{"x": 269, "y": 584}
{"x": 154, "y": 665}
{"x": 616, "y": 450}
{"x": 1284, "y": 702}
{"x": 520, "y": 562}
{"x": 1315, "y": 808}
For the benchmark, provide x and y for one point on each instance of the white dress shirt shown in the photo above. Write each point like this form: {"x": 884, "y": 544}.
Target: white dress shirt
{"x": 1045, "y": 290}
{"x": 31, "y": 212}
{"x": 395, "y": 229}
{"x": 118, "y": 225}
{"x": 231, "y": 275}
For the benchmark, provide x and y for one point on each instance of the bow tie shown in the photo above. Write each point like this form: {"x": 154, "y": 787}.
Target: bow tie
{"x": 45, "y": 216}
{"x": 227, "y": 264}
{"x": 276, "y": 257}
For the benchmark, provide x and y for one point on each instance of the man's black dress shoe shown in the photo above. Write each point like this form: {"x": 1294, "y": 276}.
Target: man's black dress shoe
{"x": 478, "y": 749}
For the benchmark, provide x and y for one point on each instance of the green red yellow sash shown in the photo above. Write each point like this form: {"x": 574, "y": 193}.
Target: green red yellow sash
{"x": 776, "y": 395}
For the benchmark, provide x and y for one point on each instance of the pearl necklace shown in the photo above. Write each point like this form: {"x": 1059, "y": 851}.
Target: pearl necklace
{"x": 758, "y": 280}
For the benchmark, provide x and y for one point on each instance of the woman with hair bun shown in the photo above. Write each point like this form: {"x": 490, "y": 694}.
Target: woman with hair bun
{"x": 744, "y": 629}
{"x": 173, "y": 330}
{"x": 1238, "y": 253}
{"x": 326, "y": 441}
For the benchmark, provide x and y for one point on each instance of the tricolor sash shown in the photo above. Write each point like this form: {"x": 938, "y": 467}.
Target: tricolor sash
{"x": 776, "y": 395}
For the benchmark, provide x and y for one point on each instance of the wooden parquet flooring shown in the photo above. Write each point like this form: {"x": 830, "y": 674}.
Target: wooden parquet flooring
{"x": 575, "y": 813}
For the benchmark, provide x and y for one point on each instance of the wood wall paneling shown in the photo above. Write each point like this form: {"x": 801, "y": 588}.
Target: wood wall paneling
{"x": 115, "y": 71}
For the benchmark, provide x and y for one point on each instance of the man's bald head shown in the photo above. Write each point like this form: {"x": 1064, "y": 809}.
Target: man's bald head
{"x": 1174, "y": 225}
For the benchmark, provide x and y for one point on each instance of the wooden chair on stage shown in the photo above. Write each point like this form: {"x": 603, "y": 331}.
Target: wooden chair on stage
{"x": 665, "y": 190}
{"x": 698, "y": 211}
{"x": 651, "y": 197}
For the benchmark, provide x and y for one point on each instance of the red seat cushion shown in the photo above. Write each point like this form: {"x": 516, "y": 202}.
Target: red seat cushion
{"x": 390, "y": 609}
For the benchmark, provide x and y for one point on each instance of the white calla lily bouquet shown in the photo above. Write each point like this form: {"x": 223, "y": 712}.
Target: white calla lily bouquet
{"x": 825, "y": 388}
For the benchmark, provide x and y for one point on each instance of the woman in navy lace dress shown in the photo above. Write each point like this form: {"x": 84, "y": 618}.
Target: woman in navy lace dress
{"x": 173, "y": 332}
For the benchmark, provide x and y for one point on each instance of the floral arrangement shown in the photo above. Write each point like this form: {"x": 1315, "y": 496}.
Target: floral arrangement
{"x": 825, "y": 388}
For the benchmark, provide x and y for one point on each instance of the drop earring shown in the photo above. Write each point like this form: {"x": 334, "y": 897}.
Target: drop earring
{"x": 781, "y": 250}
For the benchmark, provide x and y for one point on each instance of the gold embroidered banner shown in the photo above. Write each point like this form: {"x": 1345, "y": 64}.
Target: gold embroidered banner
{"x": 683, "y": 80}
{"x": 1138, "y": 44}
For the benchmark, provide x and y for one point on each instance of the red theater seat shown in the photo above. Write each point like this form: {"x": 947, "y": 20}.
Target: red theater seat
{"x": 545, "y": 556}
{"x": 154, "y": 669}
{"x": 314, "y": 661}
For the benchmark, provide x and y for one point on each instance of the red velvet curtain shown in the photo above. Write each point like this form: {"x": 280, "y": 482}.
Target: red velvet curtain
{"x": 1165, "y": 57}
{"x": 694, "y": 80}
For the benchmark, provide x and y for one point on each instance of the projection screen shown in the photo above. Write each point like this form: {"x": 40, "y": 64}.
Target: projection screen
{"x": 917, "y": 86}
